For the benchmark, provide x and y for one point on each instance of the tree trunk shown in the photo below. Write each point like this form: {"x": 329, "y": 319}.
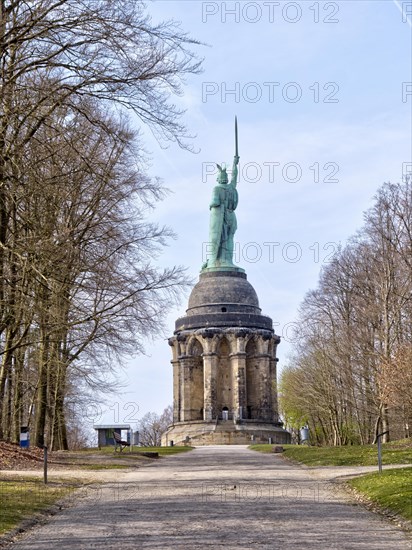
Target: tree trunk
{"x": 385, "y": 424}
{"x": 41, "y": 399}
{"x": 18, "y": 404}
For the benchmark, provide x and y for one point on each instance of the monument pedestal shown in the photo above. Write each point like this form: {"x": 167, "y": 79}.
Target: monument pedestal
{"x": 224, "y": 433}
{"x": 224, "y": 366}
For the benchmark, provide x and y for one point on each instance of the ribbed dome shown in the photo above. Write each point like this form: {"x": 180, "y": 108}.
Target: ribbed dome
{"x": 223, "y": 299}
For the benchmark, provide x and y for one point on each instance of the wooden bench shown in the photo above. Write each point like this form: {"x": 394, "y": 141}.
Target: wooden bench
{"x": 119, "y": 443}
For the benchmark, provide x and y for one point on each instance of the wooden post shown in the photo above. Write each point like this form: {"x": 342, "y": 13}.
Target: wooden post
{"x": 45, "y": 463}
{"x": 379, "y": 442}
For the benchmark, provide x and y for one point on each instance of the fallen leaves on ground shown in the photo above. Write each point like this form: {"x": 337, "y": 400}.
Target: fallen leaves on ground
{"x": 13, "y": 457}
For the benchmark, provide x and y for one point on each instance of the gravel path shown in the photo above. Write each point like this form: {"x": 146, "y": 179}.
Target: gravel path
{"x": 218, "y": 497}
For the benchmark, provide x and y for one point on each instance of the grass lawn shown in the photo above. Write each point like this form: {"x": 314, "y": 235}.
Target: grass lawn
{"x": 392, "y": 489}
{"x": 398, "y": 452}
{"x": 22, "y": 498}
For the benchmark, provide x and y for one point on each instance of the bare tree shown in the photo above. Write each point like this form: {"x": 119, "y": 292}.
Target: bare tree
{"x": 78, "y": 280}
{"x": 153, "y": 425}
{"x": 349, "y": 366}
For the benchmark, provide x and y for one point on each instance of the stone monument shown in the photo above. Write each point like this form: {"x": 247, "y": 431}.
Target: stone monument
{"x": 224, "y": 349}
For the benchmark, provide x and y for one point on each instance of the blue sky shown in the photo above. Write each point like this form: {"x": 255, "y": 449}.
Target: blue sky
{"x": 321, "y": 94}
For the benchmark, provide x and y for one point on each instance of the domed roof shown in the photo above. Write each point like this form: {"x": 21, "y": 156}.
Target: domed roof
{"x": 229, "y": 289}
{"x": 223, "y": 299}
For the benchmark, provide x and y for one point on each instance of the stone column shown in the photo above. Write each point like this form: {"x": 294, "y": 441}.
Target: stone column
{"x": 185, "y": 387}
{"x": 176, "y": 392}
{"x": 210, "y": 361}
{"x": 239, "y": 372}
{"x": 238, "y": 362}
{"x": 264, "y": 381}
{"x": 273, "y": 383}
{"x": 265, "y": 405}
{"x": 173, "y": 343}
{"x": 273, "y": 378}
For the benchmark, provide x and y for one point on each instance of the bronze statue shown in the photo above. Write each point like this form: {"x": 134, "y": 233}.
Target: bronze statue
{"x": 223, "y": 222}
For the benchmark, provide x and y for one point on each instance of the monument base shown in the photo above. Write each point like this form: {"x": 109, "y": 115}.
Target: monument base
{"x": 224, "y": 432}
{"x": 223, "y": 268}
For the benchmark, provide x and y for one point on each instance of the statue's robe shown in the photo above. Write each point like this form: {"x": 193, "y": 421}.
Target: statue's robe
{"x": 223, "y": 223}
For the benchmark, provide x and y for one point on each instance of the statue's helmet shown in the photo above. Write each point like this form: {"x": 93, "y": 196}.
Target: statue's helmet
{"x": 222, "y": 175}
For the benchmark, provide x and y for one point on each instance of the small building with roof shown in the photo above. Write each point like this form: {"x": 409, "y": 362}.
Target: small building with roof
{"x": 105, "y": 433}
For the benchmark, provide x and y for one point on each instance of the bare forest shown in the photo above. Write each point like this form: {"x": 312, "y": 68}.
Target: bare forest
{"x": 79, "y": 284}
{"x": 350, "y": 377}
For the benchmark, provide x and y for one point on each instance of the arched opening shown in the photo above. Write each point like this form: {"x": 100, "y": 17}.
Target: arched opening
{"x": 224, "y": 382}
{"x": 196, "y": 381}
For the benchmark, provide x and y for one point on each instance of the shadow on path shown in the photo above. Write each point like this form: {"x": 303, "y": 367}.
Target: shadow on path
{"x": 217, "y": 497}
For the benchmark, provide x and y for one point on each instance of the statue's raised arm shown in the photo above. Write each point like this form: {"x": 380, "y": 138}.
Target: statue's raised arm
{"x": 233, "y": 180}
{"x": 223, "y": 222}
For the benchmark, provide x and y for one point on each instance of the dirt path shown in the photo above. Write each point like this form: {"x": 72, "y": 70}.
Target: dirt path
{"x": 217, "y": 497}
